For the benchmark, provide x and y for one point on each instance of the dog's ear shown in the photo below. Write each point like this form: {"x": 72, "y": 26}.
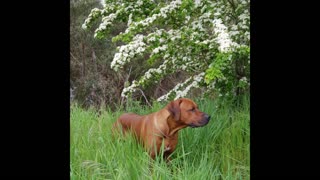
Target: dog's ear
{"x": 174, "y": 109}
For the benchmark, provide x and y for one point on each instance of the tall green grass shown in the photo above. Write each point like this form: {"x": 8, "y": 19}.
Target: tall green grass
{"x": 219, "y": 150}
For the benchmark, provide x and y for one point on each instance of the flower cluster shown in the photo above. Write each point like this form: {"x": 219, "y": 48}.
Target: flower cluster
{"x": 149, "y": 20}
{"x": 222, "y": 38}
{"x": 182, "y": 89}
{"x": 243, "y": 81}
{"x": 204, "y": 38}
{"x": 106, "y": 22}
{"x": 150, "y": 74}
{"x": 127, "y": 52}
{"x": 159, "y": 49}
{"x": 129, "y": 89}
{"x": 103, "y": 3}
{"x": 95, "y": 13}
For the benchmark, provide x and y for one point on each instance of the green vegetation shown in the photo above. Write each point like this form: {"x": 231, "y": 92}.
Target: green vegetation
{"x": 219, "y": 150}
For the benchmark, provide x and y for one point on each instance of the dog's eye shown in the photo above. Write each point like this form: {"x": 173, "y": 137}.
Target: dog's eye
{"x": 193, "y": 109}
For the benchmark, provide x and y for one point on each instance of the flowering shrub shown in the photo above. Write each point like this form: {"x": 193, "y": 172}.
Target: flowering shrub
{"x": 208, "y": 39}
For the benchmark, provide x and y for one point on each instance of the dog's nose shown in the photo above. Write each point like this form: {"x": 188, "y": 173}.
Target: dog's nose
{"x": 207, "y": 116}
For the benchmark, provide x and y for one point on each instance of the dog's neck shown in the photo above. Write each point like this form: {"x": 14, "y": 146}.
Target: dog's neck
{"x": 170, "y": 127}
{"x": 174, "y": 126}
{"x": 161, "y": 125}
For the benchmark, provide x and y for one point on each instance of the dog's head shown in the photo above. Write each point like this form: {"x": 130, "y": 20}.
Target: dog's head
{"x": 185, "y": 111}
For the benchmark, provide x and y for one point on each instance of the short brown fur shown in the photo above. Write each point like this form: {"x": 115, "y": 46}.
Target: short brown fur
{"x": 163, "y": 126}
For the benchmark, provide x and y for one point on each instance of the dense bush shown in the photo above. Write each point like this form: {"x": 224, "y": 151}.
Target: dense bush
{"x": 206, "y": 41}
{"x": 93, "y": 82}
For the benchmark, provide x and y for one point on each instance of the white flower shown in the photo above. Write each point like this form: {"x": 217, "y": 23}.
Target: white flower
{"x": 243, "y": 16}
{"x": 103, "y": 3}
{"x": 152, "y": 39}
{"x": 162, "y": 40}
{"x": 155, "y": 51}
{"x": 129, "y": 19}
{"x": 217, "y": 14}
{"x": 197, "y": 2}
{"x": 192, "y": 81}
{"x": 187, "y": 19}
{"x": 84, "y": 26}
{"x": 139, "y": 2}
{"x": 244, "y": 79}
{"x": 127, "y": 52}
{"x": 222, "y": 38}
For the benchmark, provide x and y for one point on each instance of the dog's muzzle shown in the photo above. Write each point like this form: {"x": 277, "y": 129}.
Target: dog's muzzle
{"x": 203, "y": 122}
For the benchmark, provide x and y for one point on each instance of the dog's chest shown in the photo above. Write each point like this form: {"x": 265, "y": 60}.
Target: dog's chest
{"x": 167, "y": 148}
{"x": 170, "y": 143}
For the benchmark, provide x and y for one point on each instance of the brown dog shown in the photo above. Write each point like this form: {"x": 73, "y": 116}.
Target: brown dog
{"x": 163, "y": 126}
